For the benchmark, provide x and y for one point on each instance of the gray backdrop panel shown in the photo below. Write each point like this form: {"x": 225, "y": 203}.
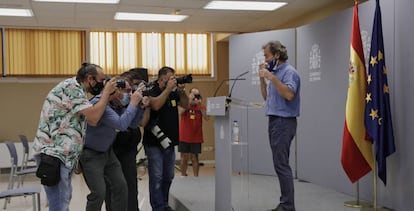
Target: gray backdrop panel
{"x": 400, "y": 188}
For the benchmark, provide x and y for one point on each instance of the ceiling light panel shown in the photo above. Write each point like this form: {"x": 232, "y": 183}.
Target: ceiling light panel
{"x": 16, "y": 12}
{"x": 82, "y": 1}
{"x": 244, "y": 5}
{"x": 148, "y": 17}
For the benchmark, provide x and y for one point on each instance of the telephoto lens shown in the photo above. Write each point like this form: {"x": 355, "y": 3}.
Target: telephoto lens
{"x": 185, "y": 79}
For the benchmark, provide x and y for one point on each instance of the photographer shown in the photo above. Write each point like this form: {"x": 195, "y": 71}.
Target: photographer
{"x": 191, "y": 132}
{"x": 98, "y": 161}
{"x": 126, "y": 144}
{"x": 60, "y": 137}
{"x": 161, "y": 135}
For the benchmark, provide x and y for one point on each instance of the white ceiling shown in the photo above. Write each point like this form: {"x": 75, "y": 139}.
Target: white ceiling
{"x": 100, "y": 16}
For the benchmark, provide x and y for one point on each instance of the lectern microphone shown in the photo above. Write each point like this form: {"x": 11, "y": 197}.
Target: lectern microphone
{"x": 229, "y": 79}
{"x": 234, "y": 82}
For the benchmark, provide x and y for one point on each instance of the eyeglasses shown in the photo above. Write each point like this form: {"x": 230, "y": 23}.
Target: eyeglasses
{"x": 127, "y": 90}
{"x": 94, "y": 78}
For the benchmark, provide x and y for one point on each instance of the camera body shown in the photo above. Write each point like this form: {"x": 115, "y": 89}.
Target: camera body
{"x": 120, "y": 83}
{"x": 186, "y": 79}
{"x": 197, "y": 97}
{"x": 148, "y": 89}
{"x": 180, "y": 80}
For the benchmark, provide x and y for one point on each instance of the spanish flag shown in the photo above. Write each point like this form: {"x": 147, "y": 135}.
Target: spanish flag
{"x": 356, "y": 155}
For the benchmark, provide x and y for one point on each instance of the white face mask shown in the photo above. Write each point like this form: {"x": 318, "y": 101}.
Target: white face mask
{"x": 125, "y": 99}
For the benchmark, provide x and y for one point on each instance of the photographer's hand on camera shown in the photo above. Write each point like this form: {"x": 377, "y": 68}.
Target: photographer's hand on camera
{"x": 181, "y": 87}
{"x": 191, "y": 96}
{"x": 145, "y": 102}
{"x": 109, "y": 88}
{"x": 171, "y": 84}
{"x": 184, "y": 100}
{"x": 136, "y": 98}
{"x": 141, "y": 86}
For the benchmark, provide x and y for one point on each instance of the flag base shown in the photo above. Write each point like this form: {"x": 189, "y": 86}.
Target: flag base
{"x": 357, "y": 204}
{"x": 376, "y": 209}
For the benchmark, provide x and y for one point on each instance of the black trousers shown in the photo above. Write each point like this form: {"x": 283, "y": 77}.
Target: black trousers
{"x": 103, "y": 175}
{"x": 125, "y": 149}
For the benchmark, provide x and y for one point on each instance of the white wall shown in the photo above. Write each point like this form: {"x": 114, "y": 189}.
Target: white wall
{"x": 5, "y": 155}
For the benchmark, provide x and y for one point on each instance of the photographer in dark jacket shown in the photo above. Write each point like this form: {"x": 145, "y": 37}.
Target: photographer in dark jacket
{"x": 161, "y": 135}
{"x": 126, "y": 145}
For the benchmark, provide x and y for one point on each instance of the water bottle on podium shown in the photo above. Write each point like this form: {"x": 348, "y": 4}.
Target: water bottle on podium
{"x": 236, "y": 131}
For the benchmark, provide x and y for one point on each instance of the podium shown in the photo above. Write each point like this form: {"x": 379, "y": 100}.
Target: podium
{"x": 232, "y": 166}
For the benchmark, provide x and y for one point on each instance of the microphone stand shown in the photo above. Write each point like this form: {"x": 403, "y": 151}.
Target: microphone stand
{"x": 234, "y": 83}
{"x": 215, "y": 92}
{"x": 230, "y": 79}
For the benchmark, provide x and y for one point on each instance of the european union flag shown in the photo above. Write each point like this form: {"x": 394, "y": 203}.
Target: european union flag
{"x": 377, "y": 111}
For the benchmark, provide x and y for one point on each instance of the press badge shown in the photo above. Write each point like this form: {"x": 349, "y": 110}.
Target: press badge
{"x": 173, "y": 103}
{"x": 192, "y": 116}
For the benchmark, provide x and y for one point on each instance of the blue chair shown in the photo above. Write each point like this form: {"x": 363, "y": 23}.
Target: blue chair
{"x": 24, "y": 170}
{"x": 22, "y": 191}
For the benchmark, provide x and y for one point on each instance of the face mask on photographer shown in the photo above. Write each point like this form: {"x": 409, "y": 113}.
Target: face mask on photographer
{"x": 95, "y": 90}
{"x": 125, "y": 99}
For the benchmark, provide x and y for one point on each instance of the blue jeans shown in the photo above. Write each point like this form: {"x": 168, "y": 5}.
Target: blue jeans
{"x": 281, "y": 132}
{"x": 161, "y": 173}
{"x": 59, "y": 196}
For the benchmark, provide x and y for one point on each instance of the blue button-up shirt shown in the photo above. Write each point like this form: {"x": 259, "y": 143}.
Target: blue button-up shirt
{"x": 276, "y": 105}
{"x": 101, "y": 137}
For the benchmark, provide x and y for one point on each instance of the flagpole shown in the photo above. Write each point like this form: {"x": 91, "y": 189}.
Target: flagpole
{"x": 375, "y": 191}
{"x": 379, "y": 129}
{"x": 357, "y": 203}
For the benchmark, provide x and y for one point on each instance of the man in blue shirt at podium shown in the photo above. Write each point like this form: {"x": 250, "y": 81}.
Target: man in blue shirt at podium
{"x": 280, "y": 87}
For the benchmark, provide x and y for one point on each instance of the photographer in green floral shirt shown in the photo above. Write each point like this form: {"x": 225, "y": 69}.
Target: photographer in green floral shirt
{"x": 59, "y": 137}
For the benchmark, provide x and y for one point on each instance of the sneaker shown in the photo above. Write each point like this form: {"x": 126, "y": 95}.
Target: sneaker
{"x": 168, "y": 208}
{"x": 278, "y": 208}
{"x": 78, "y": 169}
